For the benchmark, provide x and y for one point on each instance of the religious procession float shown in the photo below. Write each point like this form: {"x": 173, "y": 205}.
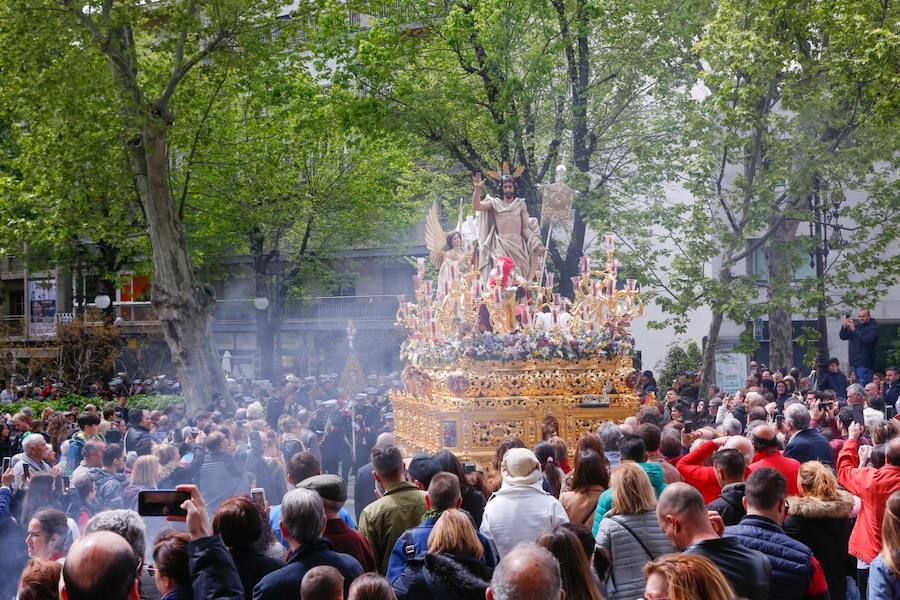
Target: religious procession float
{"x": 492, "y": 350}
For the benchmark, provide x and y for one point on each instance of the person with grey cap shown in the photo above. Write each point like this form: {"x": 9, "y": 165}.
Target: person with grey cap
{"x": 302, "y": 522}
{"x": 333, "y": 491}
{"x": 520, "y": 510}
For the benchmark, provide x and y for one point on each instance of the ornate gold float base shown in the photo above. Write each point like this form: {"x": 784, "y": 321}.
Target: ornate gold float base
{"x": 472, "y": 408}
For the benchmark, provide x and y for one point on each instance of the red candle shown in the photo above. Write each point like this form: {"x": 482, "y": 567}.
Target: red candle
{"x": 585, "y": 265}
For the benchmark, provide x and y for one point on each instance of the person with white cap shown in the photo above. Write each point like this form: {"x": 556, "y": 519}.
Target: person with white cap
{"x": 520, "y": 510}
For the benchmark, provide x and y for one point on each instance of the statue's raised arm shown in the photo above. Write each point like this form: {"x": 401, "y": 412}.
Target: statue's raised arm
{"x": 477, "y": 184}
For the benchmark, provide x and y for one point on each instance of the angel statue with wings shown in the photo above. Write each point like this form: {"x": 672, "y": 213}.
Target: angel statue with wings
{"x": 447, "y": 248}
{"x": 504, "y": 227}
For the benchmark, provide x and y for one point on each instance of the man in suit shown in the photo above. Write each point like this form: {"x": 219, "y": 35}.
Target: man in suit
{"x": 805, "y": 443}
{"x": 364, "y": 490}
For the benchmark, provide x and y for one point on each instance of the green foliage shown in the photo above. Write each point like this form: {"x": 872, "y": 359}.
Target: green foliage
{"x": 676, "y": 362}
{"x": 150, "y": 402}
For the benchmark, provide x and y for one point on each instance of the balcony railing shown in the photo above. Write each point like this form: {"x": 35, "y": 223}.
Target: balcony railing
{"x": 358, "y": 308}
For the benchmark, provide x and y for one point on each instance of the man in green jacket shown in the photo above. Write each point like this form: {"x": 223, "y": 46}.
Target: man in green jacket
{"x": 401, "y": 507}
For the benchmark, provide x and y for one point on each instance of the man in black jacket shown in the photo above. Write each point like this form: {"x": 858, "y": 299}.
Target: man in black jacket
{"x": 862, "y": 338}
{"x": 138, "y": 439}
{"x": 685, "y": 520}
{"x": 729, "y": 466}
{"x": 891, "y": 391}
{"x": 302, "y": 523}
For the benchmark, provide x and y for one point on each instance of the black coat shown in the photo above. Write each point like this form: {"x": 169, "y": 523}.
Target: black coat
{"x": 824, "y": 526}
{"x": 213, "y": 574}
{"x": 252, "y": 566}
{"x": 729, "y": 504}
{"x": 364, "y": 489}
{"x": 834, "y": 381}
{"x": 443, "y": 577}
{"x": 862, "y": 343}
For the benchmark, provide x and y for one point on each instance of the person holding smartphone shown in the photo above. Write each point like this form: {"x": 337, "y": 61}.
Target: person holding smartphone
{"x": 862, "y": 337}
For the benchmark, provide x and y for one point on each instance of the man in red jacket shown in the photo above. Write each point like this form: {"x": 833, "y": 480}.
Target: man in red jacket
{"x": 702, "y": 477}
{"x": 873, "y": 487}
{"x": 767, "y": 454}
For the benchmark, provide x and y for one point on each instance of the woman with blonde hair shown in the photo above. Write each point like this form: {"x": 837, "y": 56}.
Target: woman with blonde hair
{"x": 884, "y": 572}
{"x": 451, "y": 568}
{"x": 629, "y": 535}
{"x": 820, "y": 518}
{"x": 144, "y": 476}
{"x": 685, "y": 577}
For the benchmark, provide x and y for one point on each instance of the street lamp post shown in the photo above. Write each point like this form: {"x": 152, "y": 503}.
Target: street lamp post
{"x": 826, "y": 205}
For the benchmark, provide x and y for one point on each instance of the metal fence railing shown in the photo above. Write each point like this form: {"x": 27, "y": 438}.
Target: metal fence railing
{"x": 359, "y": 308}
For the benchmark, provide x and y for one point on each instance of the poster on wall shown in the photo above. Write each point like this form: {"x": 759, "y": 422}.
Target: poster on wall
{"x": 731, "y": 371}
{"x": 42, "y": 308}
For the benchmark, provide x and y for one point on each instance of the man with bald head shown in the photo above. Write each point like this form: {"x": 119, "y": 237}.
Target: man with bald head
{"x": 684, "y": 519}
{"x": 100, "y": 565}
{"x": 873, "y": 487}
{"x": 694, "y": 470}
{"x": 767, "y": 453}
{"x": 527, "y": 572}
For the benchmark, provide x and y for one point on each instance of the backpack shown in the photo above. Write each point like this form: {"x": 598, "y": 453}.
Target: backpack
{"x": 290, "y": 448}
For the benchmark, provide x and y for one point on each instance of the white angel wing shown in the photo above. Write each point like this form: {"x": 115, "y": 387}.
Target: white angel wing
{"x": 469, "y": 230}
{"x": 435, "y": 237}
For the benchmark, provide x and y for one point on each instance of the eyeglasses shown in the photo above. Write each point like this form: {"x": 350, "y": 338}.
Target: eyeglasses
{"x": 137, "y": 568}
{"x": 151, "y": 569}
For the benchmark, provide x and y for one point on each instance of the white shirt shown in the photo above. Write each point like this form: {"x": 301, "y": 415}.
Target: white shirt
{"x": 520, "y": 513}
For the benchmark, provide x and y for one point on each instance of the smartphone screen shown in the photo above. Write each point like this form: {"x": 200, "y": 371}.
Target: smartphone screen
{"x": 66, "y": 483}
{"x": 6, "y": 461}
{"x": 162, "y": 503}
{"x": 469, "y": 467}
{"x": 259, "y": 497}
{"x": 688, "y": 426}
{"x": 779, "y": 420}
{"x": 858, "y": 413}
{"x": 26, "y": 470}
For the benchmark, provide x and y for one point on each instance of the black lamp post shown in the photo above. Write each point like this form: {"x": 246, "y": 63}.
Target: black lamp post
{"x": 825, "y": 203}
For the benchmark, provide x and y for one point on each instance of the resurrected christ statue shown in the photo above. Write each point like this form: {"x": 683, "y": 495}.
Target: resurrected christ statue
{"x": 505, "y": 229}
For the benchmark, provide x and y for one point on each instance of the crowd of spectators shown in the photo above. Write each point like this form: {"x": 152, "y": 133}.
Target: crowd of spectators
{"x": 760, "y": 494}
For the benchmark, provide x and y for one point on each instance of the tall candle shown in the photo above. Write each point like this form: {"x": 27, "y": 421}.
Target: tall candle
{"x": 550, "y": 280}
{"x": 446, "y": 288}
{"x": 554, "y": 315}
{"x": 555, "y": 298}
{"x": 631, "y": 284}
{"x": 615, "y": 268}
{"x": 433, "y": 328}
{"x": 595, "y": 289}
{"x": 497, "y": 297}
{"x": 585, "y": 265}
{"x": 427, "y": 314}
{"x": 478, "y": 288}
{"x": 610, "y": 242}
{"x": 576, "y": 283}
{"x": 610, "y": 287}
{"x": 428, "y": 288}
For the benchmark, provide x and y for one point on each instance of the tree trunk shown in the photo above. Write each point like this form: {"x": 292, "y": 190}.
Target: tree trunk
{"x": 708, "y": 376}
{"x": 780, "y": 270}
{"x": 181, "y": 302}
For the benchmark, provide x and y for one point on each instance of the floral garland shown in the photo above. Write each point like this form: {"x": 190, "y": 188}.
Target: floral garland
{"x": 422, "y": 351}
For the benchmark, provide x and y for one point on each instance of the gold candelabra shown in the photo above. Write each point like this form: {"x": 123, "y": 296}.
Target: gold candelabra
{"x": 462, "y": 302}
